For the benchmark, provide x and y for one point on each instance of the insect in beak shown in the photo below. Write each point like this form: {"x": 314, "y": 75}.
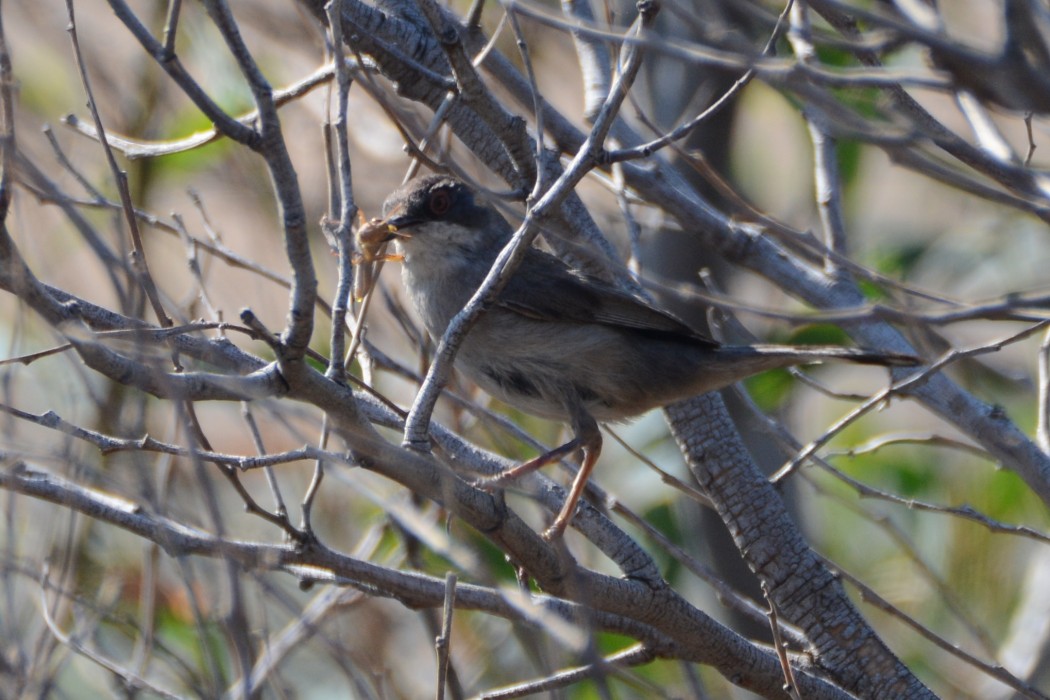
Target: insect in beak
{"x": 374, "y": 233}
{"x": 372, "y": 237}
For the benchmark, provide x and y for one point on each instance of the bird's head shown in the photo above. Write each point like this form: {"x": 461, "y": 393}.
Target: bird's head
{"x": 439, "y": 211}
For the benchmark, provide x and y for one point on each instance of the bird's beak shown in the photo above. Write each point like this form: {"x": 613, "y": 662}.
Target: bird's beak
{"x": 394, "y": 226}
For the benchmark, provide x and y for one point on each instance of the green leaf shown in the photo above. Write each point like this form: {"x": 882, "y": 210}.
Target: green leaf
{"x": 769, "y": 389}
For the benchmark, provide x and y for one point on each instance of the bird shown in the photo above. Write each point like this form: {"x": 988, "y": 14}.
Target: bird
{"x": 558, "y": 343}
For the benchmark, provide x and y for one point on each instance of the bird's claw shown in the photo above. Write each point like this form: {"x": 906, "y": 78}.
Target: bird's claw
{"x": 488, "y": 484}
{"x": 552, "y": 533}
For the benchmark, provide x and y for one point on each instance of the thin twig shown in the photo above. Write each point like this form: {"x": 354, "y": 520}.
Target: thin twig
{"x": 443, "y": 643}
{"x": 138, "y": 253}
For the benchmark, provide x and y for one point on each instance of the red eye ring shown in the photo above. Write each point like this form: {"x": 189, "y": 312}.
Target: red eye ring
{"x": 440, "y": 202}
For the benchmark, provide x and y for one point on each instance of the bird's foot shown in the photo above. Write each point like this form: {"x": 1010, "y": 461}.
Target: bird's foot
{"x": 489, "y": 484}
{"x": 553, "y": 533}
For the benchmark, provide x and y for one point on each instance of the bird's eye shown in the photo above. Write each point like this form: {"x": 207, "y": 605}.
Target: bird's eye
{"x": 440, "y": 202}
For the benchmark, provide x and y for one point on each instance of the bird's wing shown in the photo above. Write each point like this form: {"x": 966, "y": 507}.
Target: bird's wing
{"x": 547, "y": 290}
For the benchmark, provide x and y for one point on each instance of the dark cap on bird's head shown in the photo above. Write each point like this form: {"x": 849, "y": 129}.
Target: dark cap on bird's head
{"x": 432, "y": 198}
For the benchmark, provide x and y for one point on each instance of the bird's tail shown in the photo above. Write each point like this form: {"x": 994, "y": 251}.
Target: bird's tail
{"x": 775, "y": 356}
{"x": 717, "y": 368}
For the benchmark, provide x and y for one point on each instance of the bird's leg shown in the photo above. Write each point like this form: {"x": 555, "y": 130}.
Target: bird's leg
{"x": 588, "y": 438}
{"x": 532, "y": 465}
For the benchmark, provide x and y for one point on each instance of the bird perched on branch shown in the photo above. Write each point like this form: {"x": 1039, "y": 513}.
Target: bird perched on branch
{"x": 557, "y": 343}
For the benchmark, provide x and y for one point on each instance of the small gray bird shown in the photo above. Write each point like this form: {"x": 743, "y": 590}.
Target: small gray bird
{"x": 557, "y": 343}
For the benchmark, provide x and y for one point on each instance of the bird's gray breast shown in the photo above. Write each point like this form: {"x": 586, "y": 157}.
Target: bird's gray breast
{"x": 439, "y": 285}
